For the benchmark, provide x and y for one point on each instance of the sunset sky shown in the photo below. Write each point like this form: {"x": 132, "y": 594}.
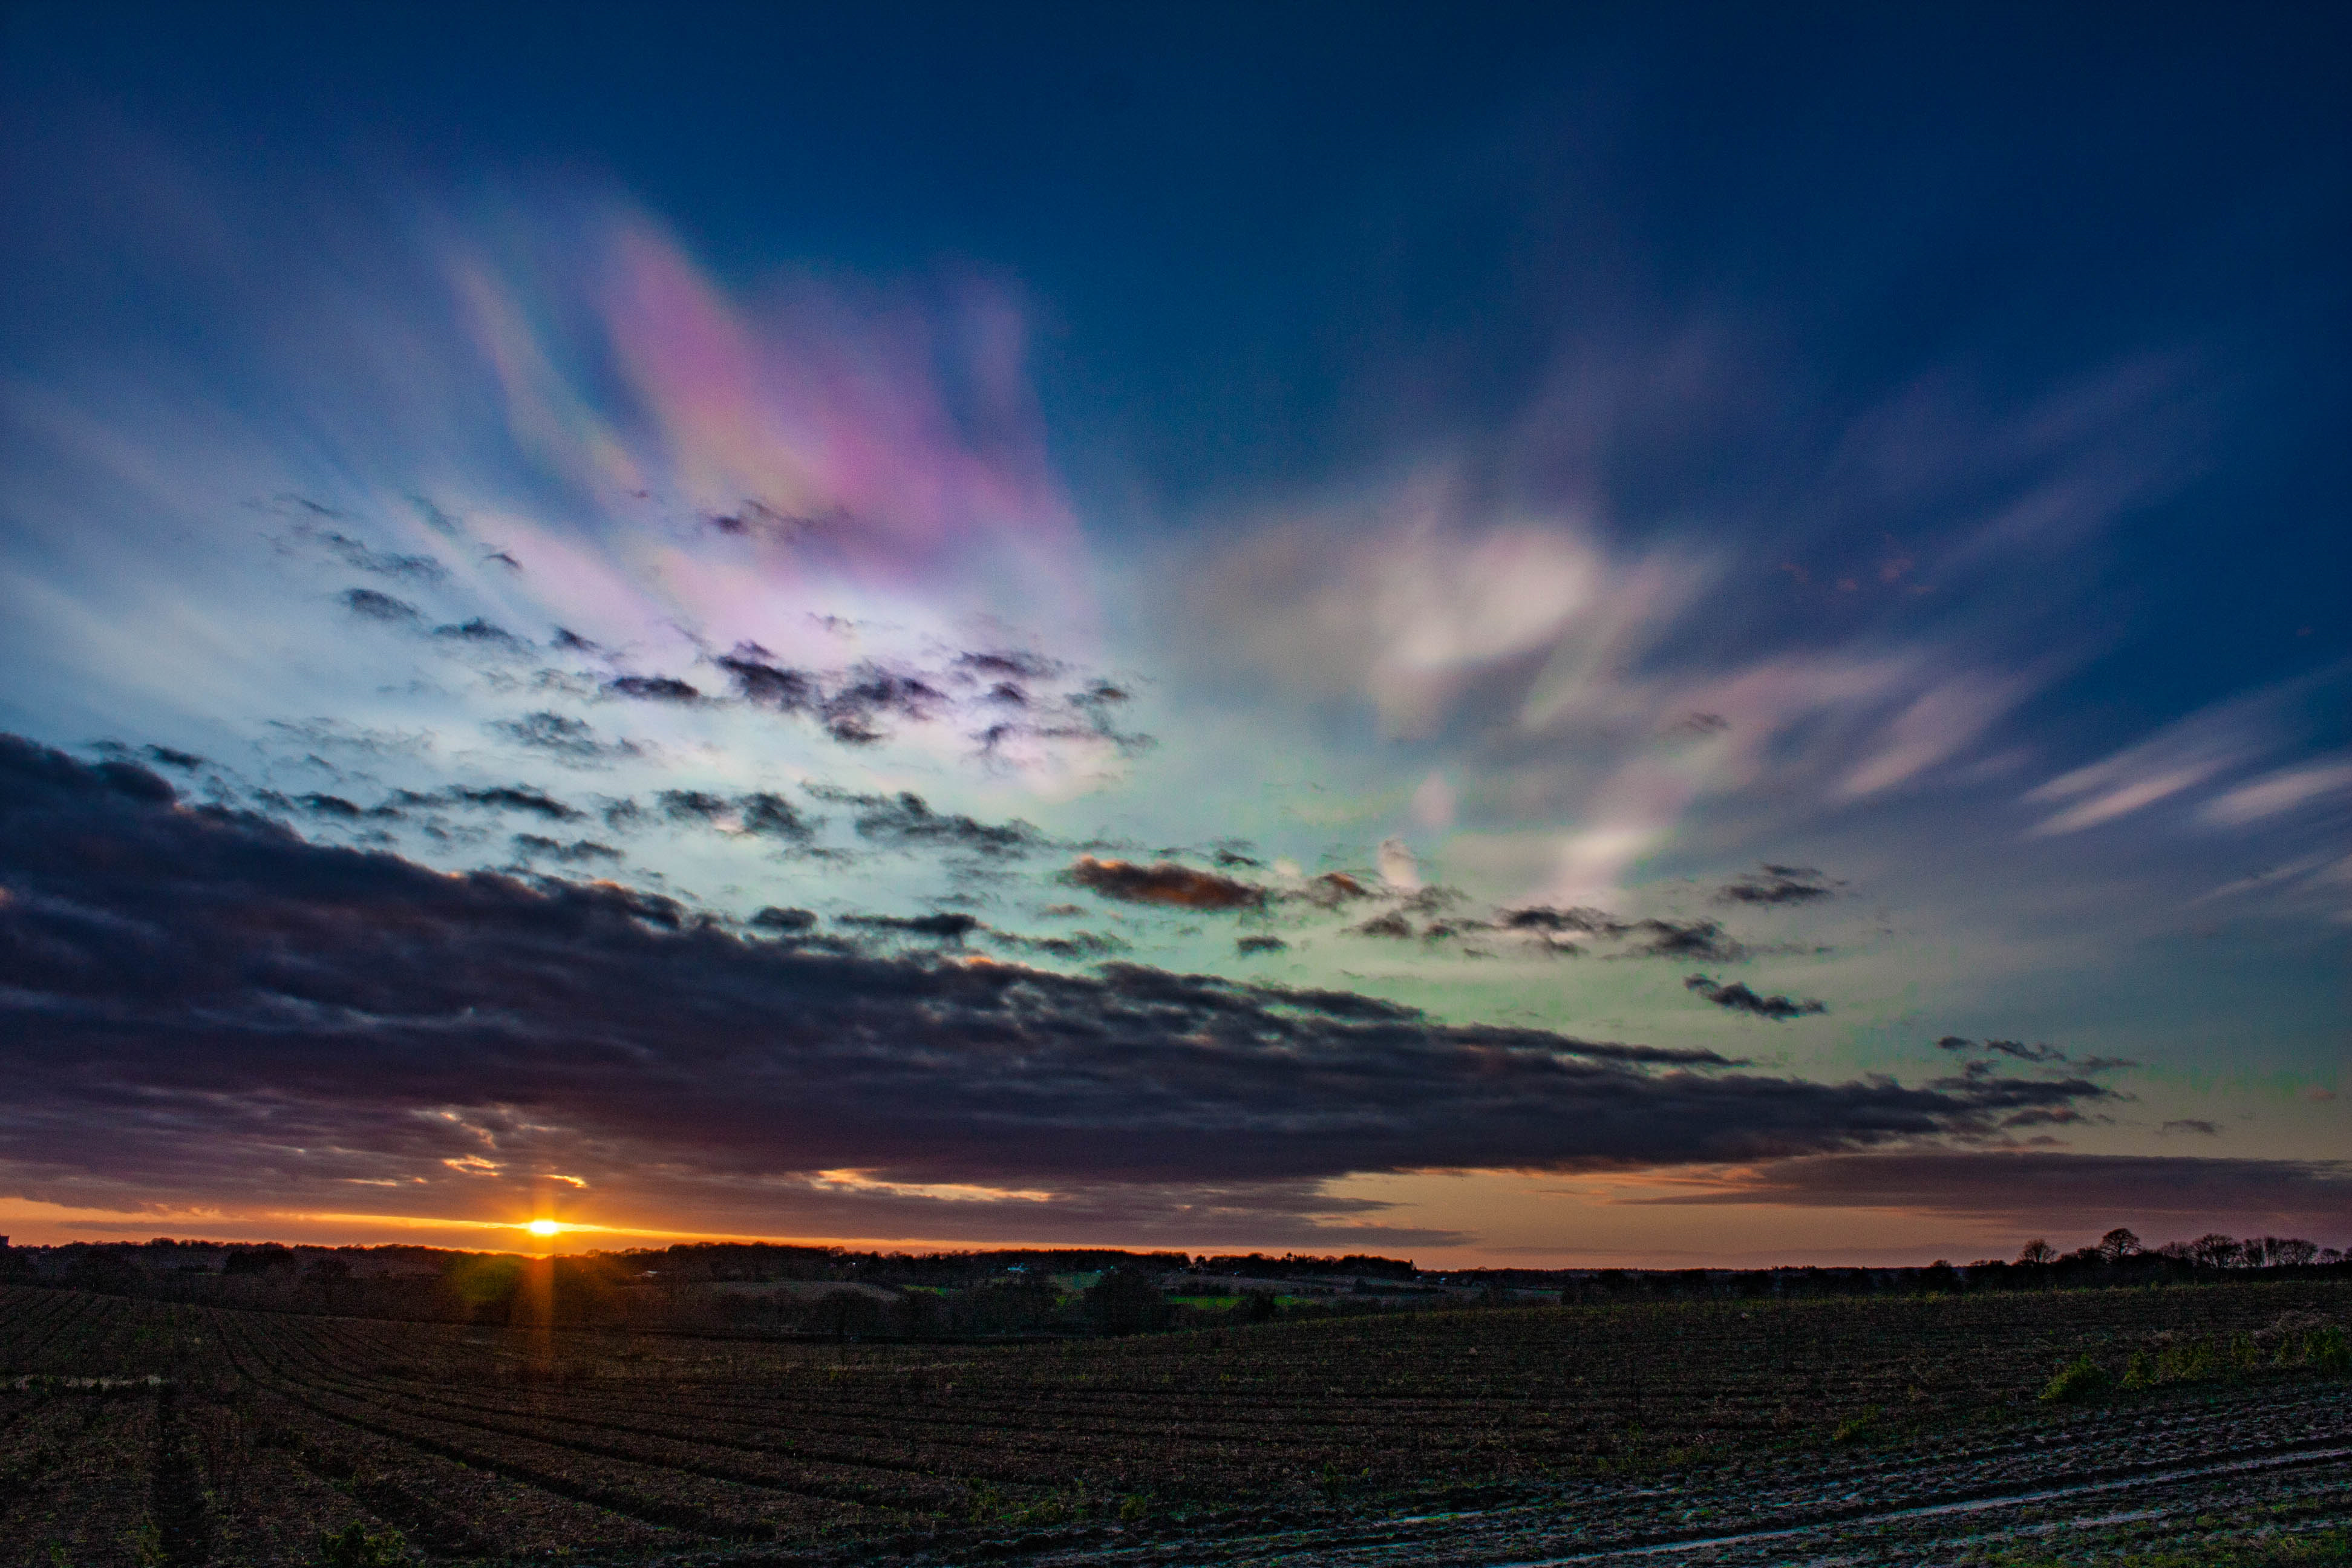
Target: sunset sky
{"x": 1632, "y": 635}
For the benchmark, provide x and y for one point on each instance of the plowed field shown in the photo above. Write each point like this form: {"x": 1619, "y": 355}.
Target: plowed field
{"x": 133, "y": 1432}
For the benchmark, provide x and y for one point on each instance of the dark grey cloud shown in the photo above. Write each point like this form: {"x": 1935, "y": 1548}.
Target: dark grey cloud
{"x": 1770, "y": 884}
{"x": 2038, "y": 1054}
{"x": 906, "y": 821}
{"x": 653, "y": 689}
{"x": 857, "y": 712}
{"x": 308, "y": 530}
{"x": 1643, "y": 937}
{"x": 998, "y": 695}
{"x": 1071, "y": 946}
{"x": 578, "y": 852}
{"x": 336, "y": 807}
{"x": 2038, "y": 1189}
{"x": 1675, "y": 938}
{"x": 1163, "y": 882}
{"x": 379, "y": 607}
{"x": 774, "y": 919}
{"x": 950, "y": 925}
{"x": 202, "y": 1001}
{"x": 1250, "y": 946}
{"x": 1390, "y": 923}
{"x": 186, "y": 762}
{"x": 1739, "y": 998}
{"x": 1008, "y": 664}
{"x": 1091, "y": 714}
{"x": 494, "y": 797}
{"x": 2198, "y": 1125}
{"x": 765, "y": 684}
{"x": 483, "y": 635}
{"x": 1545, "y": 917}
{"x": 757, "y": 520}
{"x": 761, "y": 814}
{"x": 1333, "y": 889}
{"x": 568, "y": 739}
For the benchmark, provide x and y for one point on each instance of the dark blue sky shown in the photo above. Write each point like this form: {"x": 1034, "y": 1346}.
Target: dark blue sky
{"x": 1549, "y": 458}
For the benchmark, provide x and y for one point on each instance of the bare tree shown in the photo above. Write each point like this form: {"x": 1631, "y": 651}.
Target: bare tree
{"x": 2117, "y": 1244}
{"x": 2214, "y": 1250}
{"x": 2037, "y": 1251}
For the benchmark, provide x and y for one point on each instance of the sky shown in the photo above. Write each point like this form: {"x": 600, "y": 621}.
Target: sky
{"x": 1604, "y": 635}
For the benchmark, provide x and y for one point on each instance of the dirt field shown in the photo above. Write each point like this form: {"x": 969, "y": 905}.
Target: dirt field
{"x": 1877, "y": 1430}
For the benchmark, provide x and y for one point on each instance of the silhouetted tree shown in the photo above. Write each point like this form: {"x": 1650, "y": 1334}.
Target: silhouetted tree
{"x": 914, "y": 1314}
{"x": 2037, "y": 1251}
{"x": 106, "y": 1272}
{"x": 844, "y": 1312}
{"x": 1126, "y": 1300}
{"x": 2214, "y": 1250}
{"x": 2117, "y": 1244}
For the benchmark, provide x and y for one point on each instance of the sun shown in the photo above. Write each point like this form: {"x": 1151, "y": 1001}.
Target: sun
{"x": 545, "y": 1227}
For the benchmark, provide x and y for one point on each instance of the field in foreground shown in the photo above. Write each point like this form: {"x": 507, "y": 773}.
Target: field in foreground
{"x": 136, "y": 1432}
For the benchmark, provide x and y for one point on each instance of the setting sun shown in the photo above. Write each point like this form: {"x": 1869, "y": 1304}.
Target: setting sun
{"x": 545, "y": 1227}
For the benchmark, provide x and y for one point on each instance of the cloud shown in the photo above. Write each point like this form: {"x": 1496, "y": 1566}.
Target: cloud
{"x": 568, "y": 739}
{"x": 766, "y": 685}
{"x": 1391, "y": 924}
{"x": 2283, "y": 791}
{"x": 307, "y": 530}
{"x": 1739, "y": 998}
{"x": 578, "y": 852}
{"x": 996, "y": 695}
{"x": 1076, "y": 945}
{"x": 1545, "y": 917}
{"x": 480, "y": 634}
{"x": 1678, "y": 939}
{"x": 2046, "y": 1189}
{"x": 1651, "y": 938}
{"x": 853, "y": 713}
{"x": 1770, "y": 884}
{"x": 495, "y": 797}
{"x": 379, "y": 607}
{"x": 2191, "y": 751}
{"x": 654, "y": 688}
{"x": 760, "y": 815}
{"x": 2198, "y": 1125}
{"x": 1163, "y": 882}
{"x": 951, "y": 926}
{"x": 158, "y": 1045}
{"x": 906, "y": 821}
{"x": 336, "y": 807}
{"x": 2038, "y": 1054}
{"x": 1252, "y": 946}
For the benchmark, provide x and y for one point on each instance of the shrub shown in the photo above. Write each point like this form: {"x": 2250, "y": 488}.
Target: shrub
{"x": 353, "y": 1547}
{"x": 1854, "y": 1428}
{"x": 2080, "y": 1379}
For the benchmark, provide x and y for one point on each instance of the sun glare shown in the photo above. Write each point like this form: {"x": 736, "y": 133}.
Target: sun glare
{"x": 545, "y": 1227}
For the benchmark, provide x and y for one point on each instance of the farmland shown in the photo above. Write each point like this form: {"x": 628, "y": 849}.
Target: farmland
{"x": 139, "y": 1431}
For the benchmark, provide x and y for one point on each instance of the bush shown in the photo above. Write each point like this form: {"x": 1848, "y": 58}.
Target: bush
{"x": 2080, "y": 1379}
{"x": 1126, "y": 1300}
